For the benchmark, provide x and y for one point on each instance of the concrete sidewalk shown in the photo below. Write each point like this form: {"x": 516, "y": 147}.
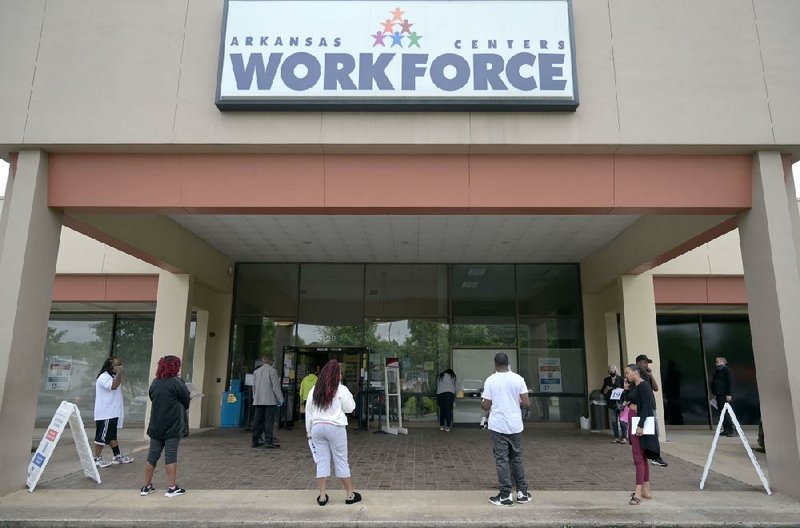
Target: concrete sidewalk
{"x": 298, "y": 509}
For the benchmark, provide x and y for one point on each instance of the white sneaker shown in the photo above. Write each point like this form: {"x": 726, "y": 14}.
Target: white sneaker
{"x": 102, "y": 462}
{"x": 122, "y": 459}
{"x": 174, "y": 491}
{"x": 441, "y": 428}
{"x": 524, "y": 498}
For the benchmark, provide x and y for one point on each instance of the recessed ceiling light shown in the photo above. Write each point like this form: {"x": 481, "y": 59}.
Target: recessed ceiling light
{"x": 476, "y": 272}
{"x": 469, "y": 284}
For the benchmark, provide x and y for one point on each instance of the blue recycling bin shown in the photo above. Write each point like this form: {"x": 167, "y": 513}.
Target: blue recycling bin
{"x": 232, "y": 409}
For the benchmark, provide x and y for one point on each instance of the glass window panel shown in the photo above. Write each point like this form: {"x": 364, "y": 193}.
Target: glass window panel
{"x": 683, "y": 379}
{"x": 472, "y": 366}
{"x": 420, "y": 344}
{"x": 483, "y": 294}
{"x": 554, "y": 408}
{"x": 268, "y": 290}
{"x": 133, "y": 344}
{"x": 406, "y": 290}
{"x": 729, "y": 337}
{"x": 537, "y": 365}
{"x": 553, "y": 333}
{"x": 330, "y": 335}
{"x": 483, "y": 335}
{"x": 332, "y": 295}
{"x": 77, "y": 345}
{"x": 254, "y": 337}
{"x": 187, "y": 367}
{"x": 548, "y": 289}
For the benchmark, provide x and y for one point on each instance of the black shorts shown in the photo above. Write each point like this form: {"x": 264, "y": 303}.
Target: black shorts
{"x": 106, "y": 431}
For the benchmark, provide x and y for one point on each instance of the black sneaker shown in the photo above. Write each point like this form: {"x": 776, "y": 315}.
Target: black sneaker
{"x": 499, "y": 500}
{"x": 147, "y": 490}
{"x": 174, "y": 491}
{"x": 273, "y": 446}
{"x": 658, "y": 462}
{"x": 523, "y": 497}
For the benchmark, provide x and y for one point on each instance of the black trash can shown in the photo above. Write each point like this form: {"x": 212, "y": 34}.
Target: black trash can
{"x": 598, "y": 411}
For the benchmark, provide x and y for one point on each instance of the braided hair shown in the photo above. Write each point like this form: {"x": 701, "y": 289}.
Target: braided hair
{"x": 108, "y": 366}
{"x": 168, "y": 367}
{"x": 327, "y": 384}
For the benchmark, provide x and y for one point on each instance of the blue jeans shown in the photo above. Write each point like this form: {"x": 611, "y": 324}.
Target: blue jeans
{"x": 616, "y": 424}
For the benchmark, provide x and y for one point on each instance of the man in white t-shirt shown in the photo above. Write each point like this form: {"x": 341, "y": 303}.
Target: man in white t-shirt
{"x": 108, "y": 413}
{"x": 504, "y": 392}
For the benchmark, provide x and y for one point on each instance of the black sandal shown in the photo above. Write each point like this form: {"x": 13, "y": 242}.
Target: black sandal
{"x": 322, "y": 502}
{"x": 356, "y": 498}
{"x": 634, "y": 500}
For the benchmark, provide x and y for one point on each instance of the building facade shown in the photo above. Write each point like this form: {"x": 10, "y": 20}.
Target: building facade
{"x": 439, "y": 233}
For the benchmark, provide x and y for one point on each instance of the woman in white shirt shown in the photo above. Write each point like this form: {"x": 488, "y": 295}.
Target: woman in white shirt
{"x": 326, "y": 424}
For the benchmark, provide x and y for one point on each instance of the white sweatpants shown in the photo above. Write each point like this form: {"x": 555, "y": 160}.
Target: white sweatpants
{"x": 330, "y": 441}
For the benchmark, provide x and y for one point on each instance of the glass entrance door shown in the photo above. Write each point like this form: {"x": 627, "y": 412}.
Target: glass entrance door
{"x": 298, "y": 362}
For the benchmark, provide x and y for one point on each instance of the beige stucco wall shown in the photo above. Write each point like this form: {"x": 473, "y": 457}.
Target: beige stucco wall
{"x": 721, "y": 256}
{"x": 79, "y": 254}
{"x": 653, "y": 76}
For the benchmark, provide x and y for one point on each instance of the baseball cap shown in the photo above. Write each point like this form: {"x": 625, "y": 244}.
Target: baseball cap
{"x": 642, "y": 357}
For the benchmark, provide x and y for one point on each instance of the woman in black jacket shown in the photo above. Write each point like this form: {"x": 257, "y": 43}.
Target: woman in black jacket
{"x": 170, "y": 399}
{"x": 644, "y": 446}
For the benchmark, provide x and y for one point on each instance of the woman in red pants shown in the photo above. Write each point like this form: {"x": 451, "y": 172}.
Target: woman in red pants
{"x": 644, "y": 446}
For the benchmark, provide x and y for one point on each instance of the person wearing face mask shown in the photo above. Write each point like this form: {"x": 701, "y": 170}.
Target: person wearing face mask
{"x": 722, "y": 390}
{"x": 610, "y": 384}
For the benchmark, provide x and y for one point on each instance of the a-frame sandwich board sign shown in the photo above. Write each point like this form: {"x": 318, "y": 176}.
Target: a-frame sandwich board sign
{"x": 728, "y": 409}
{"x": 67, "y": 413}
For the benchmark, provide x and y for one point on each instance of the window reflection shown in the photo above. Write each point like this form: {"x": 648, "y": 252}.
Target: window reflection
{"x": 77, "y": 345}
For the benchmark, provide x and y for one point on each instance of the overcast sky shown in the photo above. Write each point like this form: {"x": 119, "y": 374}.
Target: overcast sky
{"x": 4, "y": 175}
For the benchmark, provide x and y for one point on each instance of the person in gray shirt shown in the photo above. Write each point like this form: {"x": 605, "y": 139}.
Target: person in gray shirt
{"x": 267, "y": 397}
{"x": 445, "y": 396}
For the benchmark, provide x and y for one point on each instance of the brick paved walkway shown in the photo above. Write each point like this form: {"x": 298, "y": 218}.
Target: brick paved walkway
{"x": 556, "y": 458}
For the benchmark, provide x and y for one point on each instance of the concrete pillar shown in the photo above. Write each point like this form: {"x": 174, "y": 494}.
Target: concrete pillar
{"x": 638, "y": 329}
{"x": 612, "y": 341}
{"x": 770, "y": 257}
{"x": 217, "y": 307}
{"x": 173, "y": 315}
{"x": 594, "y": 336}
{"x": 600, "y": 335}
{"x": 27, "y": 271}
{"x": 199, "y": 366}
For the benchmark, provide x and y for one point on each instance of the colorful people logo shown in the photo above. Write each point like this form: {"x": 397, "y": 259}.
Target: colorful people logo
{"x": 396, "y": 31}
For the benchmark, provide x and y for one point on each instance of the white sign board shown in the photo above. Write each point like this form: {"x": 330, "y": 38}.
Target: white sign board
{"x": 67, "y": 413}
{"x": 392, "y": 394}
{"x": 728, "y": 409}
{"x": 59, "y": 371}
{"x": 411, "y": 55}
{"x": 550, "y": 375}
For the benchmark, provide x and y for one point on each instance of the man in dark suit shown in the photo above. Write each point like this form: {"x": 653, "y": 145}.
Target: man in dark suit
{"x": 722, "y": 390}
